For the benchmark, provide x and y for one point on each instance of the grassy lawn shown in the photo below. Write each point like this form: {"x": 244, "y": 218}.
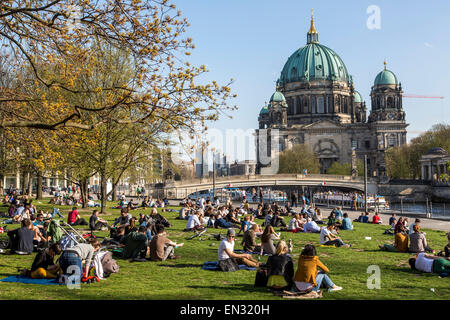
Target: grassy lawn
{"x": 184, "y": 279}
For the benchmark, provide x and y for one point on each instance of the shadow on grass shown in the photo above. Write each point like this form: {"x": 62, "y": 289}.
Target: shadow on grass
{"x": 181, "y": 265}
{"x": 240, "y": 287}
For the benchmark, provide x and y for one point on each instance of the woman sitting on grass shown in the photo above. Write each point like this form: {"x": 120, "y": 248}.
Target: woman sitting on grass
{"x": 295, "y": 225}
{"x": 308, "y": 277}
{"x": 400, "y": 244}
{"x": 418, "y": 242}
{"x": 43, "y": 266}
{"x": 280, "y": 268}
{"x": 267, "y": 239}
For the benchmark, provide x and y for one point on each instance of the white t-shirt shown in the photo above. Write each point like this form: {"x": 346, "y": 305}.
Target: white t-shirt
{"x": 323, "y": 234}
{"x": 311, "y": 226}
{"x": 424, "y": 264}
{"x": 224, "y": 244}
{"x": 192, "y": 222}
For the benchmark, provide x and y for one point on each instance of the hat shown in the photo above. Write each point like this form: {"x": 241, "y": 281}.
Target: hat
{"x": 231, "y": 232}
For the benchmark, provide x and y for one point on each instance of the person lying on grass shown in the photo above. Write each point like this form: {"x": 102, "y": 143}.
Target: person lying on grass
{"x": 227, "y": 256}
{"x": 162, "y": 248}
{"x": 280, "y": 268}
{"x": 327, "y": 238}
{"x": 430, "y": 263}
{"x": 400, "y": 244}
{"x": 311, "y": 226}
{"x": 308, "y": 277}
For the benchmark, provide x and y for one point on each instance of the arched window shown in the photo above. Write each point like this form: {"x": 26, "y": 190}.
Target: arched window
{"x": 313, "y": 104}
{"x": 298, "y": 109}
{"x": 391, "y": 140}
{"x": 390, "y": 102}
{"x": 294, "y": 73}
{"x": 305, "y": 105}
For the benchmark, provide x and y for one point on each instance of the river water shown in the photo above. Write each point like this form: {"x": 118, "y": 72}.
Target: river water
{"x": 439, "y": 210}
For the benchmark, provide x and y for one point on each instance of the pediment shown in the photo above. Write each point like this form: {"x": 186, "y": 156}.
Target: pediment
{"x": 324, "y": 124}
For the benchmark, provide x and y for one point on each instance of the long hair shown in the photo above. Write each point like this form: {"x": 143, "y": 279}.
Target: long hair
{"x": 281, "y": 248}
{"x": 265, "y": 237}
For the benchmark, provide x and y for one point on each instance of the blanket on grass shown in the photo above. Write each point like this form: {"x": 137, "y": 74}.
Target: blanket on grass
{"x": 22, "y": 279}
{"x": 214, "y": 266}
{"x": 250, "y": 252}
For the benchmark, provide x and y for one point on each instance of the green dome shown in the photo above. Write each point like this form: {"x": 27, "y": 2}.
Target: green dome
{"x": 277, "y": 97}
{"x": 264, "y": 110}
{"x": 385, "y": 77}
{"x": 357, "y": 98}
{"x": 314, "y": 62}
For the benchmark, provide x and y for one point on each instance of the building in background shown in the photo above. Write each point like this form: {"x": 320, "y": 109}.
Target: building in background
{"x": 246, "y": 167}
{"x": 315, "y": 103}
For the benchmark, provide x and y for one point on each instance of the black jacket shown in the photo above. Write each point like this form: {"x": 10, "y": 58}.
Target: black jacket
{"x": 22, "y": 239}
{"x": 281, "y": 265}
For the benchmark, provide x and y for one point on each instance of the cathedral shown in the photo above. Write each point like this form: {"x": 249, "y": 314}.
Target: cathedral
{"x": 315, "y": 103}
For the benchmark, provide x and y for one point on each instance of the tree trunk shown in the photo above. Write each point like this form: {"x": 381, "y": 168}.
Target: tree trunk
{"x": 113, "y": 191}
{"x": 24, "y": 176}
{"x": 103, "y": 192}
{"x": 84, "y": 192}
{"x": 1, "y": 183}
{"x": 30, "y": 184}
{"x": 39, "y": 186}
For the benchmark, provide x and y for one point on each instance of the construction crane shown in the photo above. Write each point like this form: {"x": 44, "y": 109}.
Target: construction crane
{"x": 421, "y": 96}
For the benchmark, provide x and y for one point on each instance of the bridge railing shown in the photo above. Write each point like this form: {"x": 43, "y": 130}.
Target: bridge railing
{"x": 230, "y": 179}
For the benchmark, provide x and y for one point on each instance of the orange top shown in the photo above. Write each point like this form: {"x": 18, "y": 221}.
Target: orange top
{"x": 401, "y": 242}
{"x": 307, "y": 269}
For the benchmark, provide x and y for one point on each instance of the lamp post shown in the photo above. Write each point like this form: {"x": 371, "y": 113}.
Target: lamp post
{"x": 365, "y": 183}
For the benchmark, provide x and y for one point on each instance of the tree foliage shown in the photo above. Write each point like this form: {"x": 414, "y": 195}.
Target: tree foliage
{"x": 404, "y": 161}
{"x": 298, "y": 158}
{"x": 345, "y": 169}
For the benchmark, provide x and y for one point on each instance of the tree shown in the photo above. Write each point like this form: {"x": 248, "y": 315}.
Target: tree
{"x": 43, "y": 34}
{"x": 298, "y": 158}
{"x": 404, "y": 161}
{"x": 345, "y": 169}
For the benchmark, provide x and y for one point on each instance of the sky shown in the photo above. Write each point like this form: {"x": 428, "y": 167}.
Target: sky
{"x": 251, "y": 40}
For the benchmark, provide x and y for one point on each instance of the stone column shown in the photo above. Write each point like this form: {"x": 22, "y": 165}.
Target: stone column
{"x": 430, "y": 171}
{"x": 18, "y": 179}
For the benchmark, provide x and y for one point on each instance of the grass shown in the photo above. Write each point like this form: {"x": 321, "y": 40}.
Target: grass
{"x": 184, "y": 279}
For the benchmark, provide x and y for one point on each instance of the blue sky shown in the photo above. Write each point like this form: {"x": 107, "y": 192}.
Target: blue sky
{"x": 250, "y": 41}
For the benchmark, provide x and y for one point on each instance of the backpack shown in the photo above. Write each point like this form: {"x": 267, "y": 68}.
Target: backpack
{"x": 261, "y": 277}
{"x": 109, "y": 264}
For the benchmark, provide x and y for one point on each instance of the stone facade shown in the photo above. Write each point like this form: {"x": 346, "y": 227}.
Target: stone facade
{"x": 315, "y": 103}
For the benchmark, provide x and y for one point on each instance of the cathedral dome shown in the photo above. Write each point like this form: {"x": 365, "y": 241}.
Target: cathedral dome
{"x": 357, "y": 98}
{"x": 264, "y": 110}
{"x": 314, "y": 62}
{"x": 385, "y": 77}
{"x": 277, "y": 97}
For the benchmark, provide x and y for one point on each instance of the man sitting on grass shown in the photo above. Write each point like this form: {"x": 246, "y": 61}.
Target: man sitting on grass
{"x": 135, "y": 245}
{"x": 249, "y": 240}
{"x": 327, "y": 238}
{"x": 346, "y": 223}
{"x": 162, "y": 248}
{"x": 228, "y": 259}
{"x": 21, "y": 239}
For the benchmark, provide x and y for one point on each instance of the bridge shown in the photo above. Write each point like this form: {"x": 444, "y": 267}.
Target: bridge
{"x": 181, "y": 189}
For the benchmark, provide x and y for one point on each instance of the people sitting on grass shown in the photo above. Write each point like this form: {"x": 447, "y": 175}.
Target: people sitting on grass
{"x": 317, "y": 216}
{"x": 194, "y": 223}
{"x": 400, "y": 244}
{"x": 346, "y": 223}
{"x": 277, "y": 220}
{"x": 446, "y": 251}
{"x": 162, "y": 248}
{"x": 327, "y": 238}
{"x": 400, "y": 226}
{"x": 159, "y": 219}
{"x": 135, "y": 245}
{"x": 131, "y": 227}
{"x": 123, "y": 220}
{"x": 21, "y": 239}
{"x": 393, "y": 220}
{"x": 96, "y": 223}
{"x": 74, "y": 219}
{"x": 311, "y": 226}
{"x": 418, "y": 242}
{"x": 43, "y": 266}
{"x": 245, "y": 225}
{"x": 249, "y": 240}
{"x": 296, "y": 224}
{"x": 267, "y": 239}
{"x": 416, "y": 222}
{"x": 430, "y": 263}
{"x": 228, "y": 259}
{"x": 39, "y": 240}
{"x": 376, "y": 219}
{"x": 71, "y": 260}
{"x": 280, "y": 268}
{"x": 308, "y": 278}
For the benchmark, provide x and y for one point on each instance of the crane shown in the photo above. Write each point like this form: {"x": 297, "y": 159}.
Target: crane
{"x": 421, "y": 96}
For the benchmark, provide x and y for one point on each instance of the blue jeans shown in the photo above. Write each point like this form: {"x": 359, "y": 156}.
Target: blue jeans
{"x": 323, "y": 279}
{"x": 56, "y": 212}
{"x": 68, "y": 259}
{"x": 335, "y": 242}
